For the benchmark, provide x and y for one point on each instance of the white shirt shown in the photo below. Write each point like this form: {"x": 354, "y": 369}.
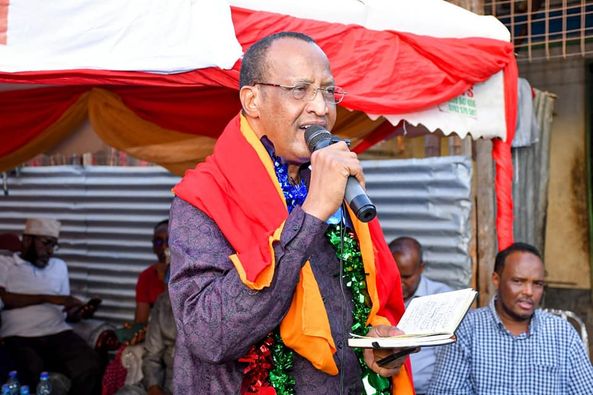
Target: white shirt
{"x": 20, "y": 276}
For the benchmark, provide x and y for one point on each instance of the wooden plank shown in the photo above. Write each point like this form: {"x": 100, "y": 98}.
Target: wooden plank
{"x": 473, "y": 243}
{"x": 486, "y": 228}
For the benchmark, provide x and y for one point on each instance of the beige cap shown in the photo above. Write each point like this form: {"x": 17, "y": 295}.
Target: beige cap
{"x": 42, "y": 227}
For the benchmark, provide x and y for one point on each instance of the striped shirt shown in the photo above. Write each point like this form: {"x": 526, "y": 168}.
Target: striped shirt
{"x": 487, "y": 359}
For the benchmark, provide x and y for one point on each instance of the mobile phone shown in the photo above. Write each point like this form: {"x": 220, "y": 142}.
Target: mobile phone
{"x": 396, "y": 355}
{"x": 74, "y": 314}
{"x": 95, "y": 302}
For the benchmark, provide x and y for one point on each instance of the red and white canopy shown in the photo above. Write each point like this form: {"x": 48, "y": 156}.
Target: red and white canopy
{"x": 159, "y": 79}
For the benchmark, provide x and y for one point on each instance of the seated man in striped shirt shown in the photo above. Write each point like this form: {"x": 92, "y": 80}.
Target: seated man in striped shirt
{"x": 512, "y": 347}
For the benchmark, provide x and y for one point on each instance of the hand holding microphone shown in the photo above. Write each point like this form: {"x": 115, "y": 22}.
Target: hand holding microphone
{"x": 336, "y": 176}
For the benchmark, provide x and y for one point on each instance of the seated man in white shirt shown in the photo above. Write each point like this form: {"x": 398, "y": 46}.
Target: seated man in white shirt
{"x": 35, "y": 290}
{"x": 407, "y": 252}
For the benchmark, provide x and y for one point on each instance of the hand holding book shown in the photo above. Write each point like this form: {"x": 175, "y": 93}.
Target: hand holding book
{"x": 384, "y": 361}
{"x": 428, "y": 321}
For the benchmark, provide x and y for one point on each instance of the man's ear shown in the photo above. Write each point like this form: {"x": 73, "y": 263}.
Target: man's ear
{"x": 249, "y": 101}
{"x": 495, "y": 280}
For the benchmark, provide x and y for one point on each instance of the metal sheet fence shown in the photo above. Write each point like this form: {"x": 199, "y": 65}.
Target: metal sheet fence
{"x": 428, "y": 199}
{"x": 108, "y": 214}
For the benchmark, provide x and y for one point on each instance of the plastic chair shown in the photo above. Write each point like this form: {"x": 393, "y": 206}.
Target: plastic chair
{"x": 576, "y": 322}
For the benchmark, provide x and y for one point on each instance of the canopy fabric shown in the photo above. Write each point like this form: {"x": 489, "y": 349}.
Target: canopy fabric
{"x": 385, "y": 72}
{"x": 130, "y": 120}
{"x": 434, "y": 18}
{"x": 132, "y": 39}
{"x": 67, "y": 110}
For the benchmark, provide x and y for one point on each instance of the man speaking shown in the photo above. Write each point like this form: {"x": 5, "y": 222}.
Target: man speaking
{"x": 270, "y": 272}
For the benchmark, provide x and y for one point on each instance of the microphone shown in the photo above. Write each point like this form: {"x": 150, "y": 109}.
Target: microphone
{"x": 355, "y": 196}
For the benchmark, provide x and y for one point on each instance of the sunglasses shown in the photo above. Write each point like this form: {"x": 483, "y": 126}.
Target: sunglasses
{"x": 50, "y": 244}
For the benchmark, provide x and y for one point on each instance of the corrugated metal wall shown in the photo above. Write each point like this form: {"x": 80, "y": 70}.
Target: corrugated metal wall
{"x": 430, "y": 200}
{"x": 108, "y": 214}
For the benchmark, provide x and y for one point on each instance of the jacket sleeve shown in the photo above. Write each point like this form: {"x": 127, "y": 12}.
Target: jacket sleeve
{"x": 153, "y": 366}
{"x": 218, "y": 317}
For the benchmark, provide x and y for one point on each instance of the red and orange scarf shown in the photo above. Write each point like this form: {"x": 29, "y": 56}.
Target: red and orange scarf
{"x": 237, "y": 187}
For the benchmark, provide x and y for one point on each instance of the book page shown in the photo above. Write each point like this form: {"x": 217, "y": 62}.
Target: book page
{"x": 439, "y": 313}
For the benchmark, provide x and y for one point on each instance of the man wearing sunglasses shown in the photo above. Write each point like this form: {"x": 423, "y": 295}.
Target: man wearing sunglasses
{"x": 35, "y": 290}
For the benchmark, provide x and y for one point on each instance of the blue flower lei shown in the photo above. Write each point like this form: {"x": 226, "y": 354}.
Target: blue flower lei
{"x": 294, "y": 194}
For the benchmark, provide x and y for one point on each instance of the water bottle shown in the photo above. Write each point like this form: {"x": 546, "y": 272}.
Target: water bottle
{"x": 44, "y": 386}
{"x": 5, "y": 389}
{"x": 13, "y": 383}
{"x": 25, "y": 390}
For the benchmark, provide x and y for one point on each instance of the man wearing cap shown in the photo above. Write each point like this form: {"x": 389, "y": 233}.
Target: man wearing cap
{"x": 35, "y": 290}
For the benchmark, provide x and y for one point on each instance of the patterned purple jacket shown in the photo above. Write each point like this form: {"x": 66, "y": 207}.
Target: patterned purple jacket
{"x": 218, "y": 318}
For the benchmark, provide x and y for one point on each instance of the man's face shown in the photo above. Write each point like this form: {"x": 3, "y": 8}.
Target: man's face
{"x": 280, "y": 116}
{"x": 38, "y": 249}
{"x": 410, "y": 269}
{"x": 160, "y": 242}
{"x": 520, "y": 286}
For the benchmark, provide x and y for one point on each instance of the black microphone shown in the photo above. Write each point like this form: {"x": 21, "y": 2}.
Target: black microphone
{"x": 355, "y": 196}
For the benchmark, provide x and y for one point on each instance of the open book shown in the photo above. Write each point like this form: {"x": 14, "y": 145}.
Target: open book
{"x": 428, "y": 321}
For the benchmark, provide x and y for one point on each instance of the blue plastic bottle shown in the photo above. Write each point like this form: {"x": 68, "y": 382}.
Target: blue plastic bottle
{"x": 5, "y": 389}
{"x": 13, "y": 383}
{"x": 44, "y": 386}
{"x": 25, "y": 390}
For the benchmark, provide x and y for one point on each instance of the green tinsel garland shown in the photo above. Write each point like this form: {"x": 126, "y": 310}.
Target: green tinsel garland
{"x": 355, "y": 280}
{"x": 282, "y": 356}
